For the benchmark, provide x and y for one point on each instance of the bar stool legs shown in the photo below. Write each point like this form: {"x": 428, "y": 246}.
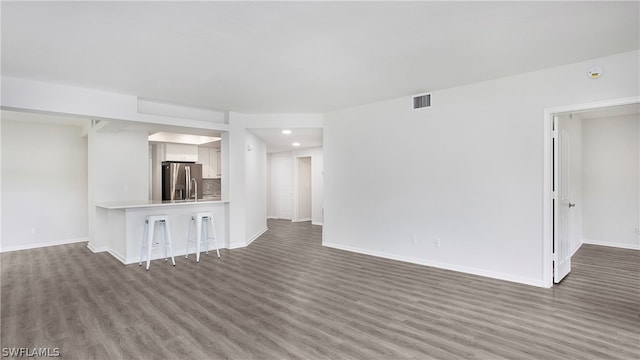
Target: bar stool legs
{"x": 147, "y": 238}
{"x": 198, "y": 219}
{"x": 213, "y": 236}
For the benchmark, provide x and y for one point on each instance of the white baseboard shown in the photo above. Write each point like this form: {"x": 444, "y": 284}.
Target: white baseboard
{"x": 317, "y": 223}
{"x": 95, "y": 249}
{"x": 41, "y": 245}
{"x": 611, "y": 244}
{"x": 118, "y": 256}
{"x": 303, "y": 220}
{"x": 463, "y": 269}
{"x": 577, "y": 248}
{"x": 257, "y": 235}
{"x": 249, "y": 241}
{"x": 115, "y": 254}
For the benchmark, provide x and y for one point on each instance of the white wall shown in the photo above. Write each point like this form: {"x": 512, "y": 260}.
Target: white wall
{"x": 156, "y": 172}
{"x": 467, "y": 171}
{"x": 255, "y": 186}
{"x": 118, "y": 171}
{"x": 269, "y": 186}
{"x": 317, "y": 181}
{"x": 611, "y": 173}
{"x": 44, "y": 185}
{"x": 121, "y": 166}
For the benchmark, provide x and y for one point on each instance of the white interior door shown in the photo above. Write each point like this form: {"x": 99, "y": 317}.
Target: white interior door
{"x": 284, "y": 189}
{"x": 304, "y": 189}
{"x": 562, "y": 204}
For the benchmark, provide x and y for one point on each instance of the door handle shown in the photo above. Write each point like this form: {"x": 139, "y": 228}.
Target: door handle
{"x": 572, "y": 205}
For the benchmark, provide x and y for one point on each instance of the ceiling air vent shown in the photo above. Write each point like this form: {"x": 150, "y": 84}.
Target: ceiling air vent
{"x": 421, "y": 101}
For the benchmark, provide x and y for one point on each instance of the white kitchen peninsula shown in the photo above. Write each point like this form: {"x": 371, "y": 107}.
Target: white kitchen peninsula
{"x": 119, "y": 226}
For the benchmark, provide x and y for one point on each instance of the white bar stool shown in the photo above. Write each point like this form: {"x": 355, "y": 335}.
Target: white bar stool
{"x": 198, "y": 219}
{"x": 147, "y": 237}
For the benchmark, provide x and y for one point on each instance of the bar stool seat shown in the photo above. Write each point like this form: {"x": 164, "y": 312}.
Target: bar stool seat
{"x": 203, "y": 222}
{"x": 147, "y": 237}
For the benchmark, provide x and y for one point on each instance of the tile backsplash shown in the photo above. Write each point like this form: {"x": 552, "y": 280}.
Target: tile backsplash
{"x": 211, "y": 187}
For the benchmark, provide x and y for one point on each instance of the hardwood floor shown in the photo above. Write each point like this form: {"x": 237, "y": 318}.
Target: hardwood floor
{"x": 287, "y": 297}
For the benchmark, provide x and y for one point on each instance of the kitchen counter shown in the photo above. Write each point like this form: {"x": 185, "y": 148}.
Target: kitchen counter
{"x": 119, "y": 226}
{"x": 155, "y": 203}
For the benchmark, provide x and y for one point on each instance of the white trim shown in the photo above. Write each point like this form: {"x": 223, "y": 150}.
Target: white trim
{"x": 236, "y": 246}
{"x": 547, "y": 221}
{"x": 302, "y": 220}
{"x": 120, "y": 258}
{"x": 97, "y": 249}
{"x": 317, "y": 223}
{"x": 257, "y": 235}
{"x": 41, "y": 245}
{"x": 113, "y": 253}
{"x": 249, "y": 240}
{"x": 577, "y": 248}
{"x": 463, "y": 269}
{"x": 611, "y": 244}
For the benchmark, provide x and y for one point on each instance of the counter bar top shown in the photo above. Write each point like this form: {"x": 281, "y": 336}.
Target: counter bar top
{"x": 119, "y": 225}
{"x": 155, "y": 203}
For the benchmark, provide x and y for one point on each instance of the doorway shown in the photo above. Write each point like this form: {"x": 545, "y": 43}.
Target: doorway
{"x": 563, "y": 180}
{"x": 284, "y": 189}
{"x": 303, "y": 185}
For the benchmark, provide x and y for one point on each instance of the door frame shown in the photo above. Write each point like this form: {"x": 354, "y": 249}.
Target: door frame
{"x": 547, "y": 172}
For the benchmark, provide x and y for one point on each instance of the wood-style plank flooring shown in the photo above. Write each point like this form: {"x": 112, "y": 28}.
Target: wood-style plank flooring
{"x": 287, "y": 297}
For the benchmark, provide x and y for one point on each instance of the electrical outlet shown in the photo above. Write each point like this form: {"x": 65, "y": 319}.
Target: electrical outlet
{"x": 414, "y": 240}
{"x": 437, "y": 242}
{"x": 34, "y": 231}
{"x": 638, "y": 231}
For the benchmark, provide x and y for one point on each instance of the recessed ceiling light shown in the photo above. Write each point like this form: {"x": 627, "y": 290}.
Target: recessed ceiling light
{"x": 296, "y": 144}
{"x": 286, "y": 132}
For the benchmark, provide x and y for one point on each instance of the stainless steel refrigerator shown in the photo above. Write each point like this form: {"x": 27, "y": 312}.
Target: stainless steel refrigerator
{"x": 181, "y": 181}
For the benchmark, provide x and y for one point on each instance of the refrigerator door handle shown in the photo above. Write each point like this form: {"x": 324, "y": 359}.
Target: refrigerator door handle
{"x": 187, "y": 182}
{"x": 174, "y": 176}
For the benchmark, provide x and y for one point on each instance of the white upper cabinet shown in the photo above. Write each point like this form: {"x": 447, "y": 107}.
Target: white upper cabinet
{"x": 210, "y": 160}
{"x": 203, "y": 158}
{"x": 218, "y": 163}
{"x": 179, "y": 152}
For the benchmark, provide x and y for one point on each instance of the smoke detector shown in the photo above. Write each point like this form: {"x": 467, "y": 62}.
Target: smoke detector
{"x": 594, "y": 72}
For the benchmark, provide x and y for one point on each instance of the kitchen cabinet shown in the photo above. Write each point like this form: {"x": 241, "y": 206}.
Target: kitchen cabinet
{"x": 218, "y": 164}
{"x": 179, "y": 152}
{"x": 210, "y": 160}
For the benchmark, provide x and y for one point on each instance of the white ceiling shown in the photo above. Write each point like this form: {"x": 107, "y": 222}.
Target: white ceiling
{"x": 279, "y": 57}
{"x": 277, "y": 141}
